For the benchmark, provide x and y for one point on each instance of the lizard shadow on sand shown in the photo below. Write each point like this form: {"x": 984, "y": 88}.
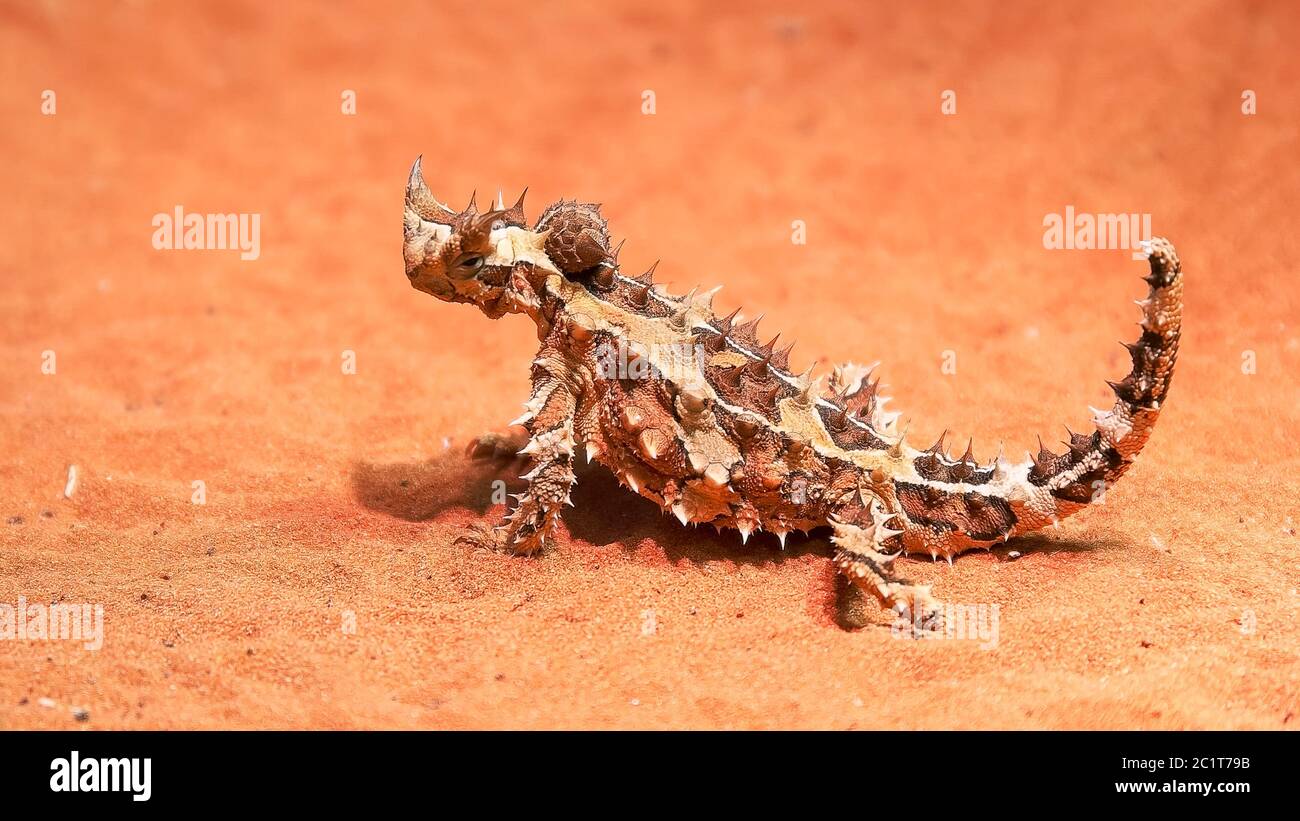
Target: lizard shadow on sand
{"x": 421, "y": 491}
{"x": 605, "y": 513}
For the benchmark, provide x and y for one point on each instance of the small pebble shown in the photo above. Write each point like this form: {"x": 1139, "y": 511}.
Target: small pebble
{"x": 47, "y": 703}
{"x": 80, "y": 713}
{"x": 1013, "y": 555}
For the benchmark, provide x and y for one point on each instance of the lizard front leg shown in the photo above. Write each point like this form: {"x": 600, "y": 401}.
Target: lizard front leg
{"x": 549, "y": 423}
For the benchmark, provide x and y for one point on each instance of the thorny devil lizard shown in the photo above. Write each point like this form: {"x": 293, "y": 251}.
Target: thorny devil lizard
{"x": 691, "y": 411}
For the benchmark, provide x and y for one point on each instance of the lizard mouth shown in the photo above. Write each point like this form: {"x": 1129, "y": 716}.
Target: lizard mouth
{"x": 499, "y": 305}
{"x": 509, "y": 299}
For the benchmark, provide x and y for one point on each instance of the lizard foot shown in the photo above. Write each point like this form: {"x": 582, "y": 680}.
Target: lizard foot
{"x": 502, "y": 445}
{"x": 916, "y": 608}
{"x": 503, "y": 538}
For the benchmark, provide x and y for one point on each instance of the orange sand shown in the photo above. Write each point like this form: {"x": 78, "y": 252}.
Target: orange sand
{"x": 330, "y": 493}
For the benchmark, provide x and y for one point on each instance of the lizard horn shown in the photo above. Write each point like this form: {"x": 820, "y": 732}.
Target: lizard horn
{"x": 420, "y": 200}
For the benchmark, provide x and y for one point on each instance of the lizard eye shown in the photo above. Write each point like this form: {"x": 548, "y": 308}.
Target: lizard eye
{"x": 469, "y": 263}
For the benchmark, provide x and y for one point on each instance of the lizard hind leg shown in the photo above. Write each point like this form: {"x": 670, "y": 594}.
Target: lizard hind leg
{"x": 861, "y": 556}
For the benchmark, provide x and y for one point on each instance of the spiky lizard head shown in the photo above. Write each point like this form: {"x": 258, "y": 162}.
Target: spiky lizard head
{"x": 468, "y": 256}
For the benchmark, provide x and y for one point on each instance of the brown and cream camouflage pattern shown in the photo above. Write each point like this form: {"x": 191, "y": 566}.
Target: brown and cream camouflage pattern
{"x": 696, "y": 413}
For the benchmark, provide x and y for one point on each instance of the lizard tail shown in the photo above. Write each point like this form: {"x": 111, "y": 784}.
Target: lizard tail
{"x": 949, "y": 506}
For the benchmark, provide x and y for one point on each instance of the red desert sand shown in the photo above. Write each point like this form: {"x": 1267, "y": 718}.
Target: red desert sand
{"x": 318, "y": 584}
